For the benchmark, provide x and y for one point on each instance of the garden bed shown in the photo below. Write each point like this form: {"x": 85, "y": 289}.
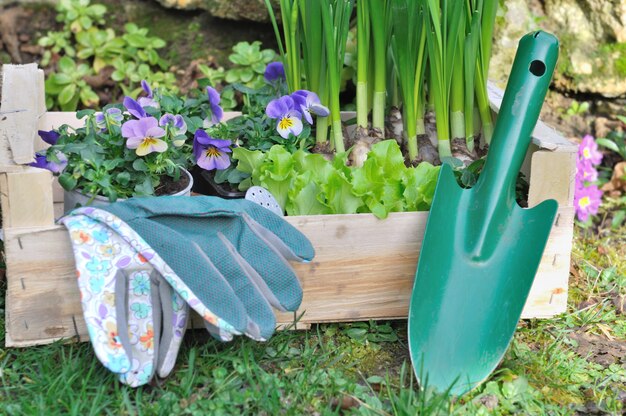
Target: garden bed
{"x": 363, "y": 269}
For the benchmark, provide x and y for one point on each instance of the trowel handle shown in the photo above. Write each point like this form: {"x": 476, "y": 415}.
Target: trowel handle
{"x": 524, "y": 95}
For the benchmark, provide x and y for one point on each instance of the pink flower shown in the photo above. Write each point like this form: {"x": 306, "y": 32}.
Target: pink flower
{"x": 588, "y": 150}
{"x": 587, "y": 201}
{"x": 585, "y": 172}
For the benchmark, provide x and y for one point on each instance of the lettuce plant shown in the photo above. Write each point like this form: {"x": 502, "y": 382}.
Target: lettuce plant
{"x": 308, "y": 184}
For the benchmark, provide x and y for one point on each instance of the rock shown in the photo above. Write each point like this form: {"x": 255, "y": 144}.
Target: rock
{"x": 592, "y": 20}
{"x": 254, "y": 10}
{"x": 593, "y": 61}
{"x": 592, "y": 35}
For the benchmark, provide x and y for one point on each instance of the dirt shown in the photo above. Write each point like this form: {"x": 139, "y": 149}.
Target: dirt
{"x": 598, "y": 349}
{"x": 170, "y": 187}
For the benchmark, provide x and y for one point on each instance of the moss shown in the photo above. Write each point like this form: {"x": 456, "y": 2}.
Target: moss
{"x": 620, "y": 61}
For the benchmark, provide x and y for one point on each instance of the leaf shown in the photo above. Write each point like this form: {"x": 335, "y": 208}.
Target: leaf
{"x": 609, "y": 144}
{"x": 66, "y": 65}
{"x": 67, "y": 181}
{"x": 60, "y": 79}
{"x": 304, "y": 197}
{"x": 249, "y": 160}
{"x": 339, "y": 195}
{"x": 136, "y": 40}
{"x": 123, "y": 178}
{"x": 67, "y": 93}
{"x": 140, "y": 165}
{"x": 356, "y": 333}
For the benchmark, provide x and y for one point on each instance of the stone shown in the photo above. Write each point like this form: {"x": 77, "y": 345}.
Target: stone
{"x": 253, "y": 10}
{"x": 592, "y": 35}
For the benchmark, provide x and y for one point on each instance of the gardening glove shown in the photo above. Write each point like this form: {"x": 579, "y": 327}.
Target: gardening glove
{"x": 135, "y": 321}
{"x": 232, "y": 255}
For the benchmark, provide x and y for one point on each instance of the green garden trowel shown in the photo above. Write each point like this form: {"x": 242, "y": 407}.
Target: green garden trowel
{"x": 481, "y": 250}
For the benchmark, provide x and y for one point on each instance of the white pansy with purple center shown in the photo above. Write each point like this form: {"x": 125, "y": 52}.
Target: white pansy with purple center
{"x": 288, "y": 118}
{"x": 309, "y": 103}
{"x": 144, "y": 136}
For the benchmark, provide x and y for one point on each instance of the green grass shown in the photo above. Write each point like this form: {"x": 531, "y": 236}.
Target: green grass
{"x": 337, "y": 369}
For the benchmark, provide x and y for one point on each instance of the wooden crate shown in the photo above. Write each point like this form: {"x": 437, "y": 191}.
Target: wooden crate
{"x": 363, "y": 269}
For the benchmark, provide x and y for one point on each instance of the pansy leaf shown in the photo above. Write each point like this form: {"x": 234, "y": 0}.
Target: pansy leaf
{"x": 67, "y": 181}
{"x": 140, "y": 166}
{"x": 123, "y": 178}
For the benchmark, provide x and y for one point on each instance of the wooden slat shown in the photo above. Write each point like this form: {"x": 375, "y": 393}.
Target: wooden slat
{"x": 363, "y": 269}
{"x": 22, "y": 104}
{"x": 552, "y": 177}
{"x": 544, "y": 136}
{"x": 26, "y": 198}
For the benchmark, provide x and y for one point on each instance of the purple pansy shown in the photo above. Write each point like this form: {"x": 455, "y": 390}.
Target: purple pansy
{"x": 587, "y": 201}
{"x": 51, "y": 137}
{"x": 216, "y": 110}
{"x": 176, "y": 122}
{"x": 309, "y": 103}
{"x": 588, "y": 150}
{"x": 42, "y": 162}
{"x": 211, "y": 153}
{"x": 144, "y": 135}
{"x": 148, "y": 101}
{"x": 274, "y": 71}
{"x": 134, "y": 108}
{"x": 113, "y": 116}
{"x": 283, "y": 110}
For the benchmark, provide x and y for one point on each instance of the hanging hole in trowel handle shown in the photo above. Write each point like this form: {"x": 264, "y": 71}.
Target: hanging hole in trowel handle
{"x": 537, "y": 68}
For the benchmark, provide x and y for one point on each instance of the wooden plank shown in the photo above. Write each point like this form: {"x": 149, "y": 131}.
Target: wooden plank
{"x": 544, "y": 136}
{"x": 22, "y": 105}
{"x": 363, "y": 269}
{"x": 552, "y": 177}
{"x": 26, "y": 198}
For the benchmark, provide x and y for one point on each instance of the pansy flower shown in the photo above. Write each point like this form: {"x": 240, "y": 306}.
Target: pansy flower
{"x": 288, "y": 118}
{"x": 144, "y": 136}
{"x": 309, "y": 103}
{"x": 54, "y": 164}
{"x": 588, "y": 150}
{"x": 148, "y": 101}
{"x": 216, "y": 110}
{"x": 112, "y": 116}
{"x": 211, "y": 153}
{"x": 176, "y": 125}
{"x": 134, "y": 108}
{"x": 51, "y": 137}
{"x": 274, "y": 72}
{"x": 587, "y": 201}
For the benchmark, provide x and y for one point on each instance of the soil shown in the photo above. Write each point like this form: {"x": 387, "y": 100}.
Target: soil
{"x": 170, "y": 187}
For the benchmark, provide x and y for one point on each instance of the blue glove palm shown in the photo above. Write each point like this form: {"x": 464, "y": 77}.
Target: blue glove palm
{"x": 226, "y": 254}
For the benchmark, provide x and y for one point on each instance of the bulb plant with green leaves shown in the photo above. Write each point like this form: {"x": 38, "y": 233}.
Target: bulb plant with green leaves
{"x": 408, "y": 44}
{"x": 415, "y": 55}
